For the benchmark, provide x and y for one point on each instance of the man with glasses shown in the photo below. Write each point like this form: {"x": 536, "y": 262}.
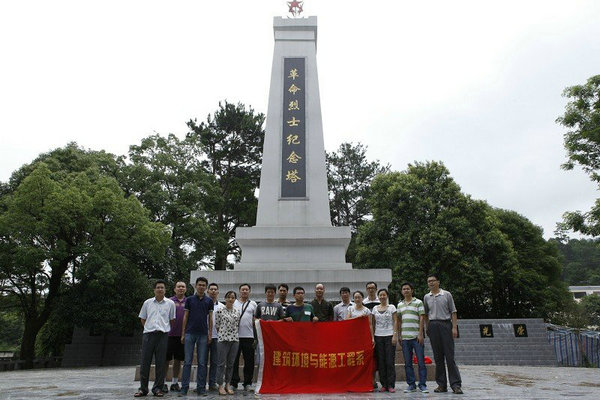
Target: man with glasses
{"x": 442, "y": 328}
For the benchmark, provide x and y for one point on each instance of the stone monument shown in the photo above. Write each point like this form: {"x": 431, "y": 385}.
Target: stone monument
{"x": 293, "y": 241}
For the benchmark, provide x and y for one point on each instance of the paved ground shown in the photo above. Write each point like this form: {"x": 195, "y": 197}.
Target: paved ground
{"x": 479, "y": 382}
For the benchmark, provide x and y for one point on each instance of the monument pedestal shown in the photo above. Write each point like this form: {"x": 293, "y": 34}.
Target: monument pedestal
{"x": 333, "y": 279}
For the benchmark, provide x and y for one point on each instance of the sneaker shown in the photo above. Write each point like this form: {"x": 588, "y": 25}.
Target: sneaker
{"x": 182, "y": 393}
{"x": 213, "y": 388}
{"x": 202, "y": 392}
{"x": 440, "y": 389}
{"x": 457, "y": 390}
{"x": 423, "y": 389}
{"x": 410, "y": 389}
{"x": 248, "y": 388}
{"x": 175, "y": 387}
{"x": 392, "y": 390}
{"x": 165, "y": 388}
{"x": 383, "y": 389}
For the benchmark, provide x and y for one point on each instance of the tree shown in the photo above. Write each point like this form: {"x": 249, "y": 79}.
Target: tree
{"x": 166, "y": 174}
{"x": 591, "y": 307}
{"x": 580, "y": 261}
{"x": 423, "y": 224}
{"x": 537, "y": 288}
{"x": 231, "y": 143}
{"x": 582, "y": 142}
{"x": 349, "y": 176}
{"x": 62, "y": 227}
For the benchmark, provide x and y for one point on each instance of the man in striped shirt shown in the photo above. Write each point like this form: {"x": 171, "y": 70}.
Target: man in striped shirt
{"x": 411, "y": 320}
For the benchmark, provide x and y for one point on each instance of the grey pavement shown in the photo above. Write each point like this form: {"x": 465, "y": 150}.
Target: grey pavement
{"x": 479, "y": 382}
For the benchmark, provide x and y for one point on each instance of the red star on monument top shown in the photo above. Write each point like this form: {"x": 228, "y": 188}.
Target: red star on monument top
{"x": 295, "y": 7}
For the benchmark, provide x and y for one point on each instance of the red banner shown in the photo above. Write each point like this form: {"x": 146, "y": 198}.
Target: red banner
{"x": 315, "y": 357}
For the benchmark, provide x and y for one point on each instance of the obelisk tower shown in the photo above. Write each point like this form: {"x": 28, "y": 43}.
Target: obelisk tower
{"x": 293, "y": 226}
{"x": 293, "y": 241}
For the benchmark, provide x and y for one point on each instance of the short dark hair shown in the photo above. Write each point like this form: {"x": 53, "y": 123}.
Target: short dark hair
{"x": 410, "y": 285}
{"x": 245, "y": 284}
{"x": 299, "y": 288}
{"x": 231, "y": 292}
{"x": 213, "y": 284}
{"x": 285, "y": 286}
{"x": 203, "y": 279}
{"x": 344, "y": 289}
{"x": 437, "y": 278}
{"x": 271, "y": 287}
{"x": 383, "y": 290}
{"x": 159, "y": 281}
{"x": 359, "y": 292}
{"x": 368, "y": 283}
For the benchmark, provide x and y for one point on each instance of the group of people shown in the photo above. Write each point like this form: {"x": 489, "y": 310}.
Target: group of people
{"x": 222, "y": 333}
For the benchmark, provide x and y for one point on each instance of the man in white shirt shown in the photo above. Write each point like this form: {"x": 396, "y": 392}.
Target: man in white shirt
{"x": 157, "y": 315}
{"x": 246, "y": 308}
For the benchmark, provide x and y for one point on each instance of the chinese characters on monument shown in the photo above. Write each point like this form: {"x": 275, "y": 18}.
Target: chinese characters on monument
{"x": 293, "y": 154}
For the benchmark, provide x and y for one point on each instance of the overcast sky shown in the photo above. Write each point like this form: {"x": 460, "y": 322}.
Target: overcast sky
{"x": 475, "y": 84}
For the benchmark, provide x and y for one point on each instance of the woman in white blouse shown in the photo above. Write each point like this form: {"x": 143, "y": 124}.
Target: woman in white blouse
{"x": 227, "y": 321}
{"x": 384, "y": 321}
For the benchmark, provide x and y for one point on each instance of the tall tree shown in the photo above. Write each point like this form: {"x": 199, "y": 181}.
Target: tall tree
{"x": 61, "y": 227}
{"x": 349, "y": 176}
{"x": 582, "y": 142}
{"x": 422, "y": 223}
{"x": 167, "y": 175}
{"x": 231, "y": 142}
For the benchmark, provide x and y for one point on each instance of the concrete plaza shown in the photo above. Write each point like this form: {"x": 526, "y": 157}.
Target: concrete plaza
{"x": 479, "y": 382}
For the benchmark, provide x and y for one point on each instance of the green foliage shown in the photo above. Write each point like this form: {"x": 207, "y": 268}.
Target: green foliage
{"x": 581, "y": 261}
{"x": 582, "y": 142}
{"x": 64, "y": 229}
{"x": 591, "y": 307}
{"x": 231, "y": 141}
{"x": 11, "y": 330}
{"x": 537, "y": 282}
{"x": 349, "y": 176}
{"x": 167, "y": 176}
{"x": 423, "y": 224}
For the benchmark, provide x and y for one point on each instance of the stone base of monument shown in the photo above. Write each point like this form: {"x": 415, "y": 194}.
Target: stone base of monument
{"x": 400, "y": 373}
{"x": 333, "y": 279}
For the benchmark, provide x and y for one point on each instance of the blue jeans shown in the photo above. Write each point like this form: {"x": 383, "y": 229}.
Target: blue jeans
{"x": 201, "y": 343}
{"x": 407, "y": 351}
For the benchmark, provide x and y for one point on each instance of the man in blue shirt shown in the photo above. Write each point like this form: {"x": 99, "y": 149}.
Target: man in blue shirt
{"x": 197, "y": 325}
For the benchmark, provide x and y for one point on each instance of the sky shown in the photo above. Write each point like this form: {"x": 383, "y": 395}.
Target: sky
{"x": 474, "y": 84}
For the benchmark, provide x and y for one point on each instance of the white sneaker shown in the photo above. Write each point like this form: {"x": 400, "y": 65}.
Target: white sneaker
{"x": 424, "y": 389}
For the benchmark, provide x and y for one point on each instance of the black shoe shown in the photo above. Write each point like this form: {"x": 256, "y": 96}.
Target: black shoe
{"x": 440, "y": 389}
{"x": 175, "y": 387}
{"x": 213, "y": 388}
{"x": 457, "y": 390}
